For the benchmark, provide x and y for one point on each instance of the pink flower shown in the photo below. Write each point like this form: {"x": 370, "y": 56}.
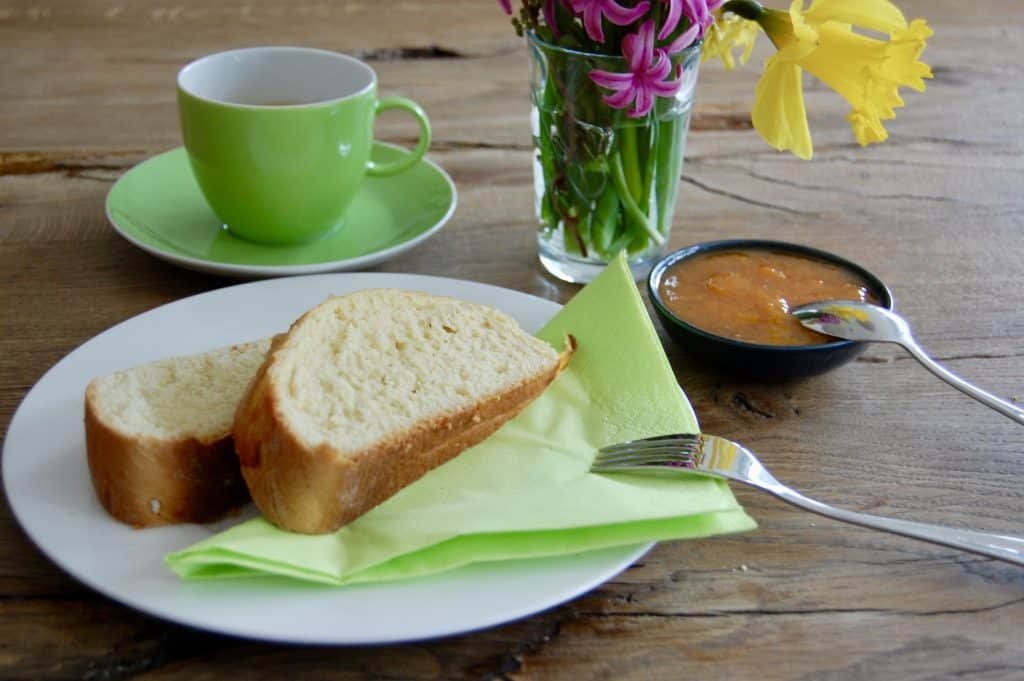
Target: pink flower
{"x": 675, "y": 13}
{"x": 649, "y": 69}
{"x": 684, "y": 40}
{"x": 506, "y": 5}
{"x": 595, "y": 11}
{"x": 698, "y": 12}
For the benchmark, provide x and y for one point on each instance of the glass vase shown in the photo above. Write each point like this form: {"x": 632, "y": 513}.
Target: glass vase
{"x": 604, "y": 182}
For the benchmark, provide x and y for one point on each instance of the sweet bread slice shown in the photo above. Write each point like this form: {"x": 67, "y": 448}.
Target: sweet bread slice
{"x": 369, "y": 391}
{"x": 158, "y": 436}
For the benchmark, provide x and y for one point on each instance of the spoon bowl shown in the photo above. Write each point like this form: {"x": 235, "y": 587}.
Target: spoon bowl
{"x": 853, "y": 320}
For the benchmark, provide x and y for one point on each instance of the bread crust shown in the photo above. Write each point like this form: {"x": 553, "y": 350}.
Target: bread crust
{"x": 315, "y": 490}
{"x": 149, "y": 481}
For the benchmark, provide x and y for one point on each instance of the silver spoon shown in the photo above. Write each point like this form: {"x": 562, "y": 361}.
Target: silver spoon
{"x": 858, "y": 321}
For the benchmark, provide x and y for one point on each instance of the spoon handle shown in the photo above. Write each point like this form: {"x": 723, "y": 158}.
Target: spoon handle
{"x": 988, "y": 399}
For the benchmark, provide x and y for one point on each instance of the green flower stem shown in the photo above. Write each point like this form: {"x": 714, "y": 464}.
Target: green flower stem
{"x": 748, "y": 9}
{"x": 569, "y": 215}
{"x": 606, "y": 222}
{"x": 651, "y": 172}
{"x": 584, "y": 226}
{"x": 629, "y": 203}
{"x": 575, "y": 245}
{"x": 630, "y": 161}
{"x": 667, "y": 152}
{"x": 549, "y": 210}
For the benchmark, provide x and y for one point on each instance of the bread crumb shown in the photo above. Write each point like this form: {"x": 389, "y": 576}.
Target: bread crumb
{"x": 154, "y": 506}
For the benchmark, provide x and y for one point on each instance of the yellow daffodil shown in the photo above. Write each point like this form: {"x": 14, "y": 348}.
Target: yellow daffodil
{"x": 820, "y": 39}
{"x": 730, "y": 32}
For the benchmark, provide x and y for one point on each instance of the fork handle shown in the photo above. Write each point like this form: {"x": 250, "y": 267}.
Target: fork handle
{"x": 1001, "y": 547}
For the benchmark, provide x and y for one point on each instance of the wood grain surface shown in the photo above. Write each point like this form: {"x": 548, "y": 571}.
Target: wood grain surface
{"x": 87, "y": 90}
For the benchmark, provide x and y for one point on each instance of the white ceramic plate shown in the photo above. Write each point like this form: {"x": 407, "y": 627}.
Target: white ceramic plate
{"x": 47, "y": 484}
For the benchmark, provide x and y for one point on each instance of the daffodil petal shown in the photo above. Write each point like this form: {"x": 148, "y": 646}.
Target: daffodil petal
{"x": 779, "y": 115}
{"x": 868, "y": 72}
{"x": 726, "y": 34}
{"x": 904, "y": 49}
{"x": 789, "y": 30}
{"x": 749, "y": 39}
{"x": 802, "y": 29}
{"x": 844, "y": 60}
{"x": 866, "y": 128}
{"x": 874, "y": 15}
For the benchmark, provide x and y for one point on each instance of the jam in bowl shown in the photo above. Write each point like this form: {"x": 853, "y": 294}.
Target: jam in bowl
{"x": 728, "y": 302}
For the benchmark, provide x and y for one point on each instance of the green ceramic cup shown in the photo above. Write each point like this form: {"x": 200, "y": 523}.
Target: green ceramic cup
{"x": 279, "y": 138}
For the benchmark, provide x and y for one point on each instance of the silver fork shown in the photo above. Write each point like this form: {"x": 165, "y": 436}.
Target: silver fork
{"x": 717, "y": 456}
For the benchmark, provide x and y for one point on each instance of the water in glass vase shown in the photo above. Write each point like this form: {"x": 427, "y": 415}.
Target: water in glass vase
{"x": 604, "y": 182}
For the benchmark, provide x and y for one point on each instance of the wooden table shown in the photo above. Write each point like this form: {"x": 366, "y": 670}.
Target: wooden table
{"x": 87, "y": 91}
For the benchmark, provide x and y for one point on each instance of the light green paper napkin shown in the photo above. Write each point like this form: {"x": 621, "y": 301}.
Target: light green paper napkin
{"x": 525, "y": 491}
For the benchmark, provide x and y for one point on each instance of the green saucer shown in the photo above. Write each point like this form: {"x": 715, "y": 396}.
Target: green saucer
{"x": 158, "y": 207}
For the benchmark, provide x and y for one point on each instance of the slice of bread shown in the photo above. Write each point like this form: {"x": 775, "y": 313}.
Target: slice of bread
{"x": 368, "y": 392}
{"x": 158, "y": 436}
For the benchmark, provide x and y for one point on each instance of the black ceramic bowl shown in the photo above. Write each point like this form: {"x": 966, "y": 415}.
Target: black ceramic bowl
{"x": 755, "y": 360}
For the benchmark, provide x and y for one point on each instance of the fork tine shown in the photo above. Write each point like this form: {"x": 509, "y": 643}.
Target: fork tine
{"x": 671, "y": 436}
{"x": 689, "y": 448}
{"x": 614, "y": 468}
{"x": 674, "y": 437}
{"x": 684, "y": 441}
{"x": 636, "y": 466}
{"x": 670, "y": 457}
{"x": 644, "y": 458}
{"x": 665, "y": 449}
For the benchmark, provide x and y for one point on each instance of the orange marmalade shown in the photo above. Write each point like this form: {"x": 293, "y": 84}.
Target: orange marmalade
{"x": 747, "y": 294}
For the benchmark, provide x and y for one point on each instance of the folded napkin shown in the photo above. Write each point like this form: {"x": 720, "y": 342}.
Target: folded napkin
{"x": 525, "y": 491}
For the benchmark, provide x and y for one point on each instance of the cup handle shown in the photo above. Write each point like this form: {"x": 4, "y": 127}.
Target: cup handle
{"x": 383, "y": 169}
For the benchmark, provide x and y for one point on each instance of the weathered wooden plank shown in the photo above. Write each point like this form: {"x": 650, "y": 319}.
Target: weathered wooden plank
{"x": 828, "y": 644}
{"x": 98, "y": 639}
